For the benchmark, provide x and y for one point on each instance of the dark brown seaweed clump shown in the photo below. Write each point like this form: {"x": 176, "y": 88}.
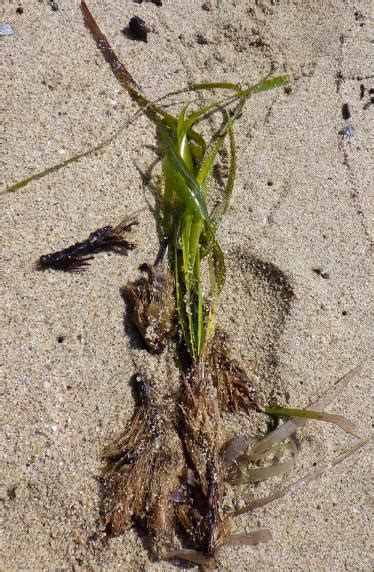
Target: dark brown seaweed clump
{"x": 76, "y": 257}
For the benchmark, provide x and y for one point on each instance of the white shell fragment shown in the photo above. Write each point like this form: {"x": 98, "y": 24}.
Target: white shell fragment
{"x": 6, "y": 29}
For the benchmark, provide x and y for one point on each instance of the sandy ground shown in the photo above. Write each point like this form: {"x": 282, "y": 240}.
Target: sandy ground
{"x": 301, "y": 201}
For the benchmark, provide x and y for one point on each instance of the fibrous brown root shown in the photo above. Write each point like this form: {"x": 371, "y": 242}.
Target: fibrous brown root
{"x": 235, "y": 389}
{"x": 202, "y": 519}
{"x": 144, "y": 467}
{"x": 153, "y": 305}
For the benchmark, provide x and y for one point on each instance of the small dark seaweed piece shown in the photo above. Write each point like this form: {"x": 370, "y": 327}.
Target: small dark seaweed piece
{"x": 346, "y": 112}
{"x": 156, "y": 2}
{"x": 321, "y": 273}
{"x": 138, "y": 28}
{"x": 74, "y": 258}
{"x": 362, "y": 91}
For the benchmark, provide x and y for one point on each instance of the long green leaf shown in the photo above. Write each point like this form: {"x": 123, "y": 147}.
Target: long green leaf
{"x": 265, "y": 85}
{"x": 190, "y": 192}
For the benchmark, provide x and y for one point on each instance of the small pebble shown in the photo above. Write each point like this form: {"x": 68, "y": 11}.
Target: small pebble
{"x": 138, "y": 28}
{"x": 6, "y": 29}
{"x": 19, "y": 10}
{"x": 54, "y": 5}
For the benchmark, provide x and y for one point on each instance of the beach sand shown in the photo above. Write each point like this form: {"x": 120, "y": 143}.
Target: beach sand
{"x": 301, "y": 202}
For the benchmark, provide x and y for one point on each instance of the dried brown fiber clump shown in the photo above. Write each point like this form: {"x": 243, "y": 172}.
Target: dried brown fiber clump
{"x": 201, "y": 418}
{"x": 144, "y": 466}
{"x": 153, "y": 305}
{"x": 235, "y": 388}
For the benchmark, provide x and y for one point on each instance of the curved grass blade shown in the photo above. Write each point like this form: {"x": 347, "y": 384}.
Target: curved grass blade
{"x": 265, "y": 85}
{"x": 58, "y": 166}
{"x": 48, "y": 171}
{"x": 339, "y": 420}
{"x": 183, "y": 141}
{"x": 249, "y": 538}
{"x": 240, "y": 443}
{"x": 207, "y": 163}
{"x": 215, "y": 85}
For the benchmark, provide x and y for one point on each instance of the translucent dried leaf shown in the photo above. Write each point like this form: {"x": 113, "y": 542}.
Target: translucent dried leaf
{"x": 280, "y": 493}
{"x": 249, "y": 538}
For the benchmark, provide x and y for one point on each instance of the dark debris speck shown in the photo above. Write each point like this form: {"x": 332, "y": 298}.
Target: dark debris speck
{"x": 11, "y": 492}
{"x": 346, "y": 111}
{"x": 138, "y": 28}
{"x": 201, "y": 40}
{"x": 321, "y": 273}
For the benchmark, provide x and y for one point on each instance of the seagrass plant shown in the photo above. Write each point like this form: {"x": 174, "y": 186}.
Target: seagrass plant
{"x": 167, "y": 469}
